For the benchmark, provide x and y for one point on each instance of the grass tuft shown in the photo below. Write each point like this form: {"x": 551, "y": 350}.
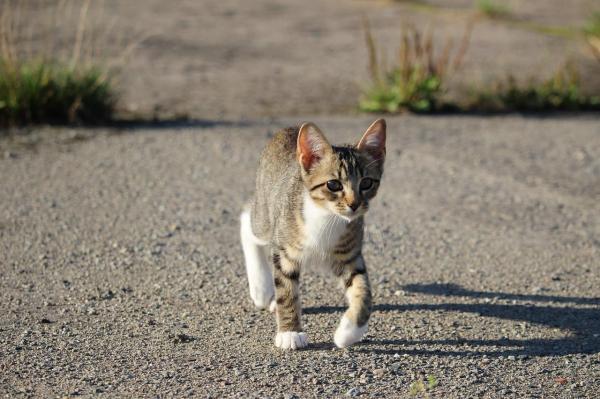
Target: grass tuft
{"x": 592, "y": 26}
{"x": 416, "y": 82}
{"x": 561, "y": 92}
{"x": 592, "y": 34}
{"x": 432, "y": 382}
{"x": 36, "y": 92}
{"x": 56, "y": 84}
{"x": 493, "y": 9}
{"x": 422, "y": 389}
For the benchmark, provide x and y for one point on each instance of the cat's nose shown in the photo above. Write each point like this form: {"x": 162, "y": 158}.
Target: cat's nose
{"x": 354, "y": 206}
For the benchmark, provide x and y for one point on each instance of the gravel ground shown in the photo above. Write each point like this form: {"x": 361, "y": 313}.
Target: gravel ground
{"x": 121, "y": 273}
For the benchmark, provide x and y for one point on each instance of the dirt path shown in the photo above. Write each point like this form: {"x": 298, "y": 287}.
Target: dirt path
{"x": 121, "y": 272}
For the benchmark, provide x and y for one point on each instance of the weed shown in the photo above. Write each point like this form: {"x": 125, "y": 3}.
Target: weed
{"x": 57, "y": 83}
{"x": 417, "y": 387}
{"x": 41, "y": 92}
{"x": 592, "y": 26}
{"x": 416, "y": 83}
{"x": 492, "y": 9}
{"x": 592, "y": 34}
{"x": 420, "y": 388}
{"x": 432, "y": 382}
{"x": 560, "y": 92}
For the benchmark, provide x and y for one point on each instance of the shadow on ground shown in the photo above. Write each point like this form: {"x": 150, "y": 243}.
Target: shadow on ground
{"x": 582, "y": 324}
{"x": 176, "y": 123}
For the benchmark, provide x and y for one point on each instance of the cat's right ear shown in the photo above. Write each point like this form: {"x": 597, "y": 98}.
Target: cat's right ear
{"x": 312, "y": 146}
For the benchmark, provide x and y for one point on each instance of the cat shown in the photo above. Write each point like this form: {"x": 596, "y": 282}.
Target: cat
{"x": 308, "y": 208}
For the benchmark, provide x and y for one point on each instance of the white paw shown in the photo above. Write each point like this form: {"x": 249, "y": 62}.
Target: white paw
{"x": 273, "y": 306}
{"x": 291, "y": 340}
{"x": 348, "y": 333}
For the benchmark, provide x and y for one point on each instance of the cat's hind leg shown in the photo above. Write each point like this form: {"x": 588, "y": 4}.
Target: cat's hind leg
{"x": 353, "y": 325}
{"x": 260, "y": 278}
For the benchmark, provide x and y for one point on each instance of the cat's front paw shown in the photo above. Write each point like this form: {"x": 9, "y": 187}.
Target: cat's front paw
{"x": 261, "y": 297}
{"x": 348, "y": 333}
{"x": 291, "y": 340}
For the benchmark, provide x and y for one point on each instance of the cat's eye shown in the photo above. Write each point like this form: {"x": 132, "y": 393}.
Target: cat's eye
{"x": 334, "y": 185}
{"x": 366, "y": 183}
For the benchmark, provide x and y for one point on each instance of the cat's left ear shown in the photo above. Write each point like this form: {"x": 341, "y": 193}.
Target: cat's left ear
{"x": 373, "y": 141}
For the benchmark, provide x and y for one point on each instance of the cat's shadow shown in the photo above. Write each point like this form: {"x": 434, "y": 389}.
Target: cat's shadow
{"x": 578, "y": 320}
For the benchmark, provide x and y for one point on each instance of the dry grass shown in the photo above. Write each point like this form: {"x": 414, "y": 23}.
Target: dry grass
{"x": 63, "y": 80}
{"x": 493, "y": 9}
{"x": 592, "y": 34}
{"x": 560, "y": 92}
{"x": 416, "y": 82}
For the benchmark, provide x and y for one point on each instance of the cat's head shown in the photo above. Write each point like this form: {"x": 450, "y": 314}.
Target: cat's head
{"x": 342, "y": 179}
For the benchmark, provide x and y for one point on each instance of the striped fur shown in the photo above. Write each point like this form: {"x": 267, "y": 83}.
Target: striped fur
{"x": 300, "y": 217}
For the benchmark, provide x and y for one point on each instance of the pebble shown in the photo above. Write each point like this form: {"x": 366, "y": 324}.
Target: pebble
{"x": 182, "y": 338}
{"x": 353, "y": 392}
{"x": 396, "y": 367}
{"x": 378, "y": 372}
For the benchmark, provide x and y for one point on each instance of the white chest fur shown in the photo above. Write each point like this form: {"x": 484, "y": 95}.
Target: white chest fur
{"x": 322, "y": 229}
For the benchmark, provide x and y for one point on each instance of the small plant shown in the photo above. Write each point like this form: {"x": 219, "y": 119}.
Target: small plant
{"x": 592, "y": 26}
{"x": 561, "y": 92}
{"x": 416, "y": 83}
{"x": 431, "y": 382}
{"x": 42, "y": 92}
{"x": 420, "y": 388}
{"x": 592, "y": 34}
{"x": 492, "y": 9}
{"x": 55, "y": 84}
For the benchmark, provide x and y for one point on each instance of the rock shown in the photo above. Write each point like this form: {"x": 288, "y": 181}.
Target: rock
{"x": 396, "y": 368}
{"x": 182, "y": 338}
{"x": 378, "y": 372}
{"x": 353, "y": 392}
{"x": 107, "y": 295}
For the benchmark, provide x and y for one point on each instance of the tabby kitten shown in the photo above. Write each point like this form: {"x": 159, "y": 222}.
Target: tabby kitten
{"x": 308, "y": 208}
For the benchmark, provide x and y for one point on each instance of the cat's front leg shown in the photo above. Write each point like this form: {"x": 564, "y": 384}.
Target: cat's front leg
{"x": 286, "y": 275}
{"x": 353, "y": 274}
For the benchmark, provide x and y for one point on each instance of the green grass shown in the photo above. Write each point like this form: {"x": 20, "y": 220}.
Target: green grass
{"x": 592, "y": 26}
{"x": 432, "y": 382}
{"x": 414, "y": 90}
{"x": 561, "y": 92}
{"x": 53, "y": 84}
{"x": 493, "y": 9}
{"x": 36, "y": 92}
{"x": 421, "y": 388}
{"x": 416, "y": 82}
